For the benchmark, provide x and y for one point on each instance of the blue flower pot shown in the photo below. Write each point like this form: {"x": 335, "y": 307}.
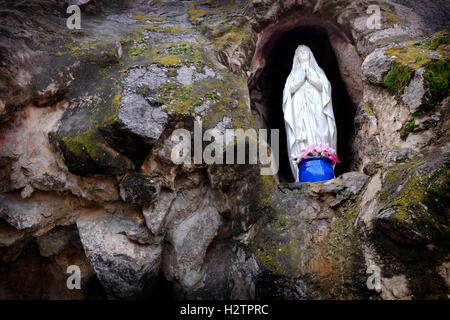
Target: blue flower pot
{"x": 316, "y": 169}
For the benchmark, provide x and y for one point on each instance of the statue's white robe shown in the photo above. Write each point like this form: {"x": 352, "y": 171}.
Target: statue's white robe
{"x": 308, "y": 109}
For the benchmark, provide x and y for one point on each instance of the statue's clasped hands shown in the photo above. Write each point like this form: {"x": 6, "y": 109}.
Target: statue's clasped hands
{"x": 306, "y": 76}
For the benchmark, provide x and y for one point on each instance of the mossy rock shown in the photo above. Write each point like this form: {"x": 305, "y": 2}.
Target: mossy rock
{"x": 80, "y": 139}
{"x": 416, "y": 201}
{"x": 437, "y": 40}
{"x": 407, "y": 128}
{"x": 284, "y": 248}
{"x": 437, "y": 76}
{"x": 397, "y": 78}
{"x": 411, "y": 56}
{"x": 417, "y": 54}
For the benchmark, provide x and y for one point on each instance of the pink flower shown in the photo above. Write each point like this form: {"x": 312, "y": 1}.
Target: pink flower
{"x": 322, "y": 150}
{"x": 335, "y": 159}
{"x": 324, "y": 147}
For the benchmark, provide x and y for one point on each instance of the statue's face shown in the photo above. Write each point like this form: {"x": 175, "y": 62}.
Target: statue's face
{"x": 303, "y": 55}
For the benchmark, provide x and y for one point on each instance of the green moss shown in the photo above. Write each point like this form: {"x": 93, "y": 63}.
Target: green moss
{"x": 174, "y": 55}
{"x": 418, "y": 54}
{"x": 342, "y": 235}
{"x": 407, "y": 128}
{"x": 91, "y": 51}
{"x": 136, "y": 51}
{"x": 344, "y": 254}
{"x": 183, "y": 48}
{"x": 231, "y": 35}
{"x": 83, "y": 145}
{"x": 437, "y": 40}
{"x": 186, "y": 92}
{"x": 436, "y": 77}
{"x": 391, "y": 18}
{"x": 195, "y": 13}
{"x": 410, "y": 55}
{"x": 274, "y": 249}
{"x": 211, "y": 95}
{"x": 181, "y": 100}
{"x": 198, "y": 9}
{"x": 397, "y": 78}
{"x": 420, "y": 58}
{"x": 272, "y": 259}
{"x": 140, "y": 16}
{"x": 170, "y": 60}
{"x": 222, "y": 95}
{"x": 172, "y": 72}
{"x": 373, "y": 167}
{"x": 176, "y": 98}
{"x": 419, "y": 195}
{"x": 430, "y": 124}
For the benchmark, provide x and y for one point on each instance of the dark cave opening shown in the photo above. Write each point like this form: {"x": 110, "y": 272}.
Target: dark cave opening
{"x": 267, "y": 93}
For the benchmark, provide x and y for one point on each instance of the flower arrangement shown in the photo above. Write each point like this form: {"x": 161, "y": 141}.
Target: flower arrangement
{"x": 315, "y": 150}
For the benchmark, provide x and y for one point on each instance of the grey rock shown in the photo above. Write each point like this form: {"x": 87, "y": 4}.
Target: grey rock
{"x": 126, "y": 18}
{"x": 140, "y": 120}
{"x": 151, "y": 77}
{"x": 375, "y": 66}
{"x": 77, "y": 119}
{"x": 433, "y": 13}
{"x": 38, "y": 211}
{"x": 56, "y": 240}
{"x": 415, "y": 92}
{"x": 226, "y": 123}
{"x": 415, "y": 208}
{"x": 139, "y": 117}
{"x": 388, "y": 36}
{"x": 9, "y": 235}
{"x": 332, "y": 186}
{"x": 351, "y": 182}
{"x": 396, "y": 230}
{"x": 435, "y": 117}
{"x": 354, "y": 181}
{"x": 138, "y": 189}
{"x": 399, "y": 155}
{"x": 185, "y": 75}
{"x": 155, "y": 213}
{"x": 190, "y": 233}
{"x": 132, "y": 226}
{"x": 124, "y": 267}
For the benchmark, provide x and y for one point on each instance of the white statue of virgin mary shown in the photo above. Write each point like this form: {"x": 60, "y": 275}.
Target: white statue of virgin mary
{"x": 307, "y": 107}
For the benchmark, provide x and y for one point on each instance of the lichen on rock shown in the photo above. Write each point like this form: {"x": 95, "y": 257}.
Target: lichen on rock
{"x": 415, "y": 201}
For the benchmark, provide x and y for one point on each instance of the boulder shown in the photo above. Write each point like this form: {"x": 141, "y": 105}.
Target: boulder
{"x": 56, "y": 240}
{"x": 125, "y": 268}
{"x": 376, "y": 66}
{"x": 415, "y": 92}
{"x": 139, "y": 190}
{"x": 39, "y": 213}
{"x": 190, "y": 233}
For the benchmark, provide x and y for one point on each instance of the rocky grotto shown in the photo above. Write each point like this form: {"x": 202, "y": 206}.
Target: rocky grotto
{"x": 86, "y": 176}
